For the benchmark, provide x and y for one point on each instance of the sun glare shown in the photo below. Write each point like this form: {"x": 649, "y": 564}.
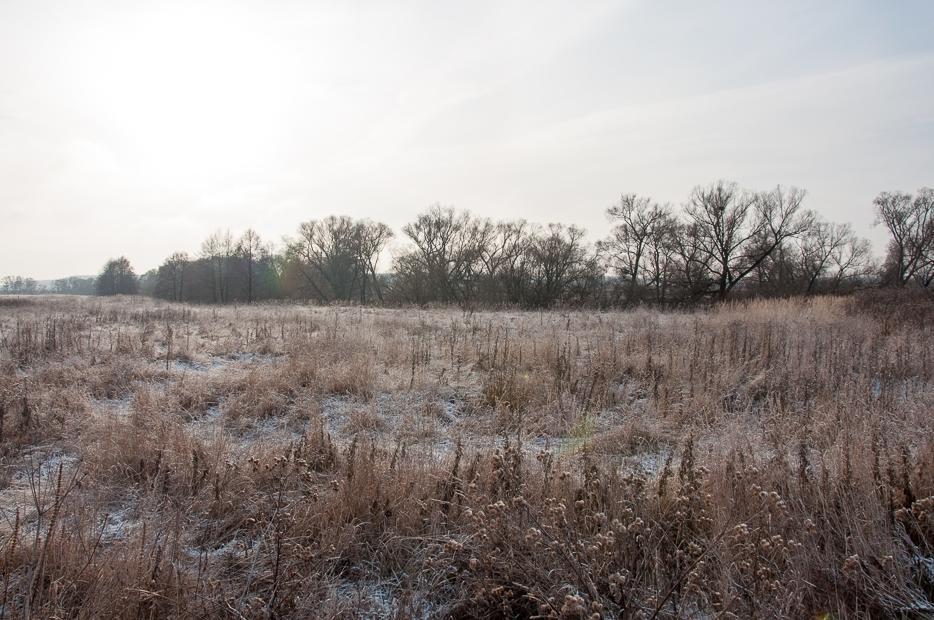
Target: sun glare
{"x": 188, "y": 97}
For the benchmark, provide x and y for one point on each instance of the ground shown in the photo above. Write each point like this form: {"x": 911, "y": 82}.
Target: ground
{"x": 767, "y": 458}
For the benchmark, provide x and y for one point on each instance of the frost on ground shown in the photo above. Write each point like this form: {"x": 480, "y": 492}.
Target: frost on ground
{"x": 44, "y": 473}
{"x": 286, "y": 461}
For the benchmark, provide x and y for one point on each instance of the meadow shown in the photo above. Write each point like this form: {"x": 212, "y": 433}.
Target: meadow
{"x": 769, "y": 458}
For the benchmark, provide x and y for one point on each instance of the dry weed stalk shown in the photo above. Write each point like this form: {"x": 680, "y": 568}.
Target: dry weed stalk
{"x": 770, "y": 458}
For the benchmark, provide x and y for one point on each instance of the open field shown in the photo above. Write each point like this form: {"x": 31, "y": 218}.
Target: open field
{"x": 774, "y": 459}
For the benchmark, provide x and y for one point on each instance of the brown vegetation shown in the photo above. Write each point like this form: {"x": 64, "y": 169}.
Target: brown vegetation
{"x": 769, "y": 458}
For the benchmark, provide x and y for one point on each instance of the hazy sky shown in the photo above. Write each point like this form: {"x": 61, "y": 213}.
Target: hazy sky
{"x": 138, "y": 128}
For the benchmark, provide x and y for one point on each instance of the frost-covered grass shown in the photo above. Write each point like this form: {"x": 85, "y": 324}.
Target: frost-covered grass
{"x": 773, "y": 458}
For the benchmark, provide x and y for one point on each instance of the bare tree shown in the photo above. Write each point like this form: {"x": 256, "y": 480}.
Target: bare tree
{"x": 372, "y": 238}
{"x": 250, "y": 247}
{"x": 338, "y": 257}
{"x": 117, "y": 278}
{"x": 639, "y": 248}
{"x": 832, "y": 252}
{"x": 560, "y": 265}
{"x": 661, "y": 256}
{"x": 735, "y": 231}
{"x": 764, "y": 243}
{"x": 910, "y": 221}
{"x": 219, "y": 248}
{"x": 18, "y": 285}
{"x": 691, "y": 275}
{"x": 74, "y": 285}
{"x": 170, "y": 281}
{"x": 502, "y": 248}
{"x": 446, "y": 254}
{"x": 852, "y": 260}
{"x": 326, "y": 254}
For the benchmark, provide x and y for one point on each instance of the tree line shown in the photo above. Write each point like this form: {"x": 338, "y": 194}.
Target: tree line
{"x": 724, "y": 241}
{"x": 19, "y": 285}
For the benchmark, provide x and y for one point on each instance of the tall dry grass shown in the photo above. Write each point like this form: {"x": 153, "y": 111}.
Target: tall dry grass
{"x": 764, "y": 459}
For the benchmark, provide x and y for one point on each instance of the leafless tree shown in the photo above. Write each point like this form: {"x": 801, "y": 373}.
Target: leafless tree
{"x": 832, "y": 252}
{"x": 502, "y": 249}
{"x": 725, "y": 237}
{"x": 18, "y": 285}
{"x": 74, "y": 285}
{"x": 445, "y": 253}
{"x": 326, "y": 254}
{"x": 117, "y": 278}
{"x": 910, "y": 222}
{"x": 560, "y": 266}
{"x": 852, "y": 260}
{"x": 338, "y": 257}
{"x": 734, "y": 231}
{"x": 661, "y": 262}
{"x": 250, "y": 247}
{"x": 219, "y": 248}
{"x": 172, "y": 273}
{"x": 640, "y": 247}
{"x": 372, "y": 238}
{"x": 690, "y": 273}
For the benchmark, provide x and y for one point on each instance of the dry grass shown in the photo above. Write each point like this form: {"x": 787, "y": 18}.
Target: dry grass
{"x": 761, "y": 459}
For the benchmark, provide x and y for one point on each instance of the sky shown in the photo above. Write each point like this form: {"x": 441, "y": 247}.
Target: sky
{"x": 138, "y": 128}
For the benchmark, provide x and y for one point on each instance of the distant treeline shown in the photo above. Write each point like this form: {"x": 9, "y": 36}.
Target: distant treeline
{"x": 18, "y": 285}
{"x": 724, "y": 241}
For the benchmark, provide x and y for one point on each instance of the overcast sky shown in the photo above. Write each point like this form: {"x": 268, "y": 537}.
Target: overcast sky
{"x": 138, "y": 128}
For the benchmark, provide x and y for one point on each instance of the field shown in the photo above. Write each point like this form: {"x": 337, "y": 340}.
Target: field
{"x": 760, "y": 459}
